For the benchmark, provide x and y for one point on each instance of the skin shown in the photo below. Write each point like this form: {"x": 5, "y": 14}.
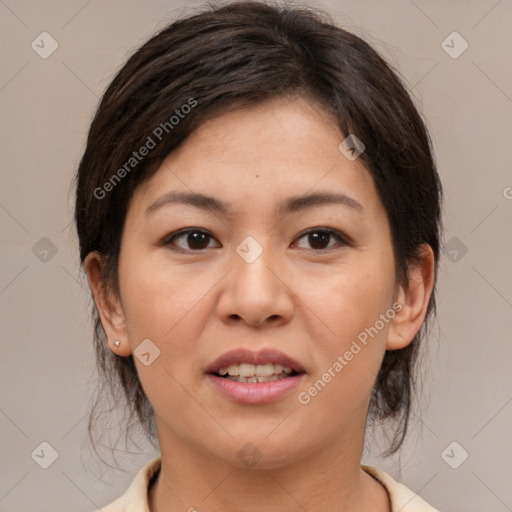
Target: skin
{"x": 309, "y": 301}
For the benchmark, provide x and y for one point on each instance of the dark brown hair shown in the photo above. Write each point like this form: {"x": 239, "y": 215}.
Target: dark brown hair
{"x": 237, "y": 55}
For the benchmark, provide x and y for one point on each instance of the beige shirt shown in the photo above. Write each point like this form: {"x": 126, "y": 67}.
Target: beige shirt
{"x": 135, "y": 499}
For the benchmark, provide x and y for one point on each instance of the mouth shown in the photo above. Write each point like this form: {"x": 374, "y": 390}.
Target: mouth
{"x": 255, "y": 377}
{"x": 243, "y": 365}
{"x": 250, "y": 373}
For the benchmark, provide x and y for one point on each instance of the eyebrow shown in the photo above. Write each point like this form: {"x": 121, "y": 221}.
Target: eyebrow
{"x": 289, "y": 205}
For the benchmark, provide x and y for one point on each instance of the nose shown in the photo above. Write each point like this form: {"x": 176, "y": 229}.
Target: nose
{"x": 257, "y": 291}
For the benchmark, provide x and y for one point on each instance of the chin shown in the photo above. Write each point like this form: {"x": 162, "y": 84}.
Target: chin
{"x": 259, "y": 450}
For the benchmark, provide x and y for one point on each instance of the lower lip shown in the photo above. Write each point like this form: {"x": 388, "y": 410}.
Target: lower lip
{"x": 256, "y": 392}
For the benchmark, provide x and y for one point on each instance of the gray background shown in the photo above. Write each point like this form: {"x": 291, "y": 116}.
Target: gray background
{"x": 47, "y": 364}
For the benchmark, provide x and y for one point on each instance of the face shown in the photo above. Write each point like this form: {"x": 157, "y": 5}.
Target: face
{"x": 312, "y": 280}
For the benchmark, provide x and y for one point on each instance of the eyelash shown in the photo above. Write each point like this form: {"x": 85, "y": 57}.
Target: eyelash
{"x": 168, "y": 241}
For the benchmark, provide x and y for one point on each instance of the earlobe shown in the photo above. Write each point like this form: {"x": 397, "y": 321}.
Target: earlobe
{"x": 413, "y": 300}
{"x": 109, "y": 308}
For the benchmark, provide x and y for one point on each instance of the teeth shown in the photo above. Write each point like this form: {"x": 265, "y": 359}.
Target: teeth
{"x": 250, "y": 370}
{"x": 234, "y": 369}
{"x": 278, "y": 369}
{"x": 247, "y": 370}
{"x": 265, "y": 370}
{"x": 256, "y": 379}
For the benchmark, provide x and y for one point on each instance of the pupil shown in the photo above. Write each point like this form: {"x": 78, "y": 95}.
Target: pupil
{"x": 319, "y": 237}
{"x": 196, "y": 240}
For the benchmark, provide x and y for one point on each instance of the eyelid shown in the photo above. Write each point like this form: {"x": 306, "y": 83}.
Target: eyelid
{"x": 341, "y": 237}
{"x": 181, "y": 232}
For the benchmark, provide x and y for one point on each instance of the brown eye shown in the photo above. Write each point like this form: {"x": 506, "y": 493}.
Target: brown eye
{"x": 319, "y": 239}
{"x": 194, "y": 239}
{"x": 197, "y": 239}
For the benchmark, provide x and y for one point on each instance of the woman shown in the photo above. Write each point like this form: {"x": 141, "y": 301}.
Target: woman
{"x": 259, "y": 217}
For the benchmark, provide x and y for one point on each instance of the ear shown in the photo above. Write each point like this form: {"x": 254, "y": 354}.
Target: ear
{"x": 414, "y": 300}
{"x": 109, "y": 307}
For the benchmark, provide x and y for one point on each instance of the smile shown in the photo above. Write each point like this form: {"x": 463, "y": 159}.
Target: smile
{"x": 255, "y": 389}
{"x": 250, "y": 373}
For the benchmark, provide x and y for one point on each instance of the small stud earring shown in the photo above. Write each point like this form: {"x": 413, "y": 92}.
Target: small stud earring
{"x": 117, "y": 343}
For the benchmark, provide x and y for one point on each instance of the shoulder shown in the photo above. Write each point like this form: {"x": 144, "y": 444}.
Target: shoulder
{"x": 402, "y": 498}
{"x": 135, "y": 499}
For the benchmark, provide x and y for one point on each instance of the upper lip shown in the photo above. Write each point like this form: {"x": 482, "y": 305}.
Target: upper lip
{"x": 243, "y": 355}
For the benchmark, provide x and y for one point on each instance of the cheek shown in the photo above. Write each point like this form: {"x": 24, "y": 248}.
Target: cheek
{"x": 159, "y": 299}
{"x": 167, "y": 306}
{"x": 354, "y": 302}
{"x": 351, "y": 298}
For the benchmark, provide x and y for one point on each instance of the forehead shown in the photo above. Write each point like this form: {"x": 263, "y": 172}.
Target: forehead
{"x": 260, "y": 155}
